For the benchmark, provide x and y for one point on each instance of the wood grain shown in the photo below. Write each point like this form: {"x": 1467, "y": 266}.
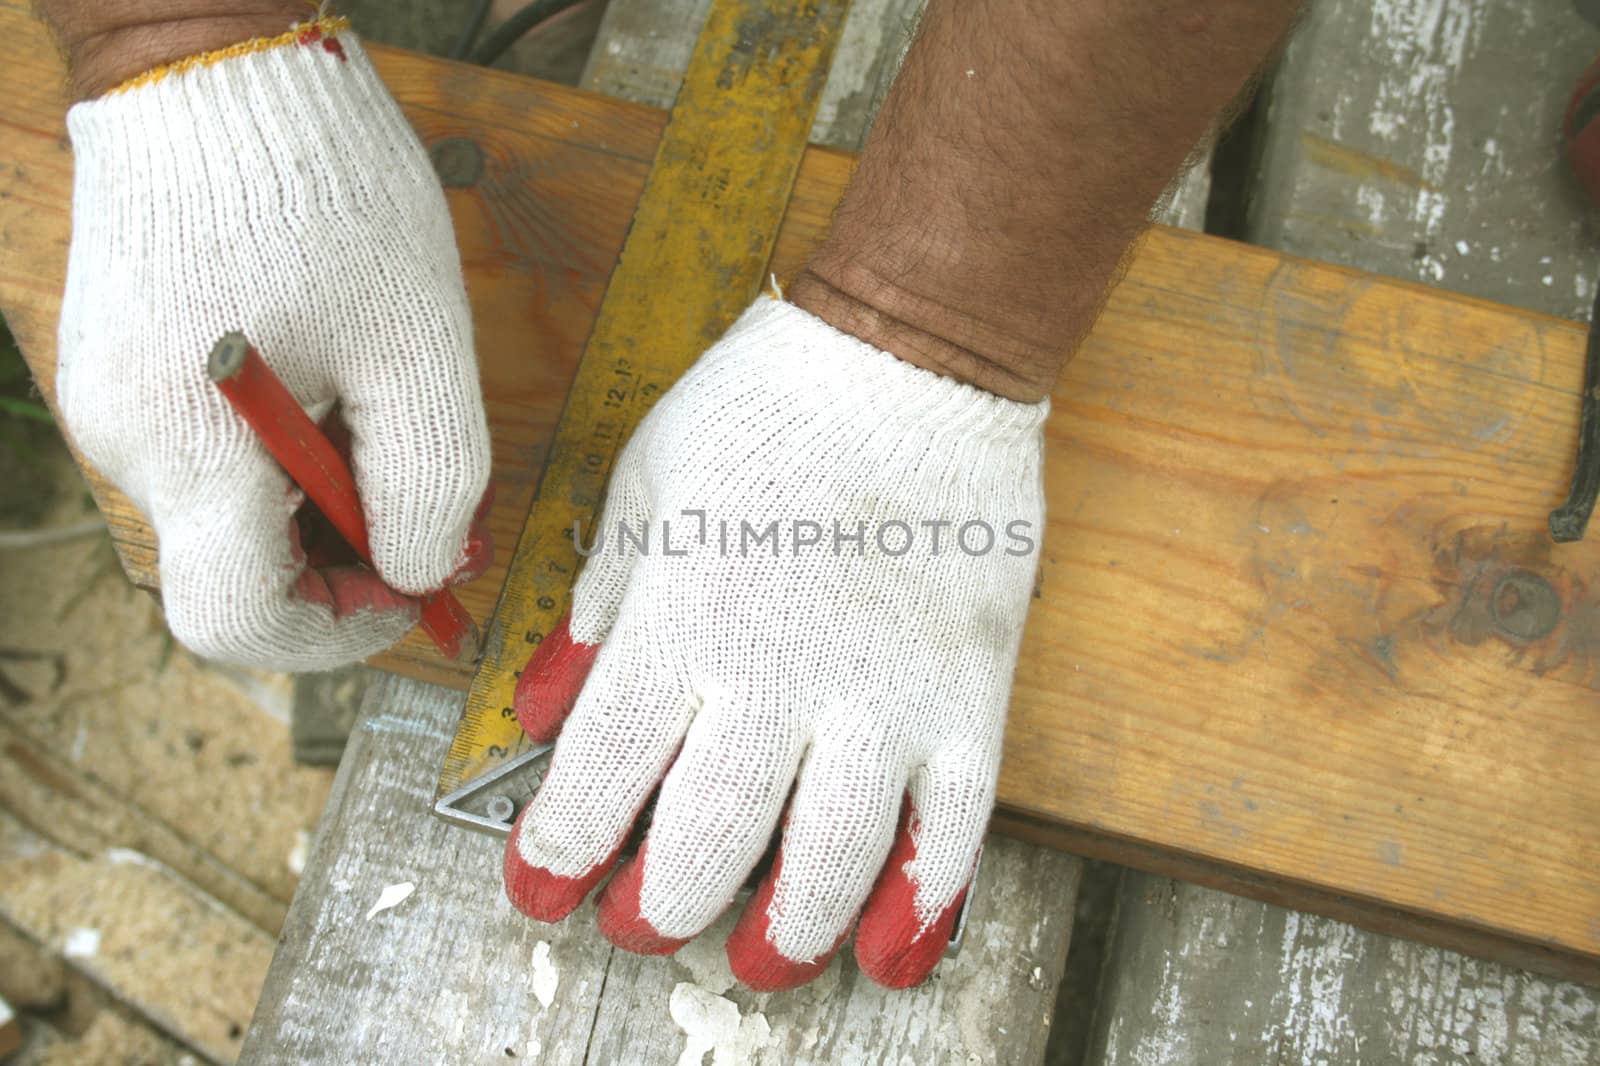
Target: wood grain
{"x": 1288, "y": 637}
{"x": 1195, "y": 978}
{"x": 451, "y": 975}
{"x": 1408, "y": 142}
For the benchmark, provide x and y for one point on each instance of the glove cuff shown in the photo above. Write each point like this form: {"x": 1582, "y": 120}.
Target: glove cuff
{"x": 858, "y": 372}
{"x": 308, "y": 101}
{"x": 321, "y": 31}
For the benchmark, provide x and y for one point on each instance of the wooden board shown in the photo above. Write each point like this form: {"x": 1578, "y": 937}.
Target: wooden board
{"x": 1412, "y": 143}
{"x": 1197, "y": 978}
{"x": 1409, "y": 139}
{"x": 1283, "y": 496}
{"x": 455, "y": 975}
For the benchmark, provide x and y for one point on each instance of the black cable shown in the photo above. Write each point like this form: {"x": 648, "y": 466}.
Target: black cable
{"x": 470, "y": 29}
{"x": 511, "y": 30}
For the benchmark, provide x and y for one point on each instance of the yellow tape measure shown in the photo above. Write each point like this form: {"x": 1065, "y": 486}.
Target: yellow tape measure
{"x": 694, "y": 258}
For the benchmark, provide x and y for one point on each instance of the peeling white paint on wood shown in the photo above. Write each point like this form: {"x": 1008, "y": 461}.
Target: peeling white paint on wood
{"x": 1197, "y": 977}
{"x": 713, "y": 1025}
{"x": 1401, "y": 130}
{"x": 546, "y": 978}
{"x": 391, "y": 896}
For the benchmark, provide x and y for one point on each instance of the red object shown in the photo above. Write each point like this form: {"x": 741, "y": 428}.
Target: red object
{"x": 1583, "y": 131}
{"x": 311, "y": 460}
{"x": 540, "y": 894}
{"x": 753, "y": 957}
{"x": 618, "y": 913}
{"x": 892, "y": 948}
{"x": 551, "y": 681}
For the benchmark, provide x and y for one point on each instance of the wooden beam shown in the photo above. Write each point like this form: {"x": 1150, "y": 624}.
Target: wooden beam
{"x": 1299, "y": 623}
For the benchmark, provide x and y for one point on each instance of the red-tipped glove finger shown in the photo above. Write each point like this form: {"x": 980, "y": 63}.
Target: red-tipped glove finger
{"x": 549, "y": 684}
{"x": 906, "y": 924}
{"x": 622, "y": 735}
{"x": 718, "y": 806}
{"x": 839, "y": 830}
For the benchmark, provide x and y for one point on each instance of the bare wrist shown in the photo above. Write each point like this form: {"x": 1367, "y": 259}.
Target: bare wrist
{"x": 926, "y": 333}
{"x": 109, "y": 43}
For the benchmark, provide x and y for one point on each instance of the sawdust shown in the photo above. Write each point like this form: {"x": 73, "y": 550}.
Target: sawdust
{"x": 31, "y": 979}
{"x": 93, "y": 678}
{"x": 134, "y": 928}
{"x": 113, "y": 1040}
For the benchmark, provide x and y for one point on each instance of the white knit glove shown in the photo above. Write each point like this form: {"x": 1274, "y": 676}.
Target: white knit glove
{"x": 280, "y": 192}
{"x": 734, "y": 666}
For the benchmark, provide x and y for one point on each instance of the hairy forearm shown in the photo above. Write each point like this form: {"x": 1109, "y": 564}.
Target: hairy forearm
{"x": 1014, "y": 162}
{"x": 109, "y": 41}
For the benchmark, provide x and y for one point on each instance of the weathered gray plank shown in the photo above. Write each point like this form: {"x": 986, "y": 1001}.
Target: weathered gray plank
{"x": 643, "y": 48}
{"x": 323, "y": 712}
{"x": 447, "y": 976}
{"x": 1422, "y": 140}
{"x": 1418, "y": 140}
{"x": 454, "y": 975}
{"x": 1184, "y": 204}
{"x": 1198, "y": 978}
{"x": 876, "y": 36}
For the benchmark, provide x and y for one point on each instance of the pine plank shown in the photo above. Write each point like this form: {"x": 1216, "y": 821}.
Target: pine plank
{"x": 1409, "y": 140}
{"x": 1264, "y": 654}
